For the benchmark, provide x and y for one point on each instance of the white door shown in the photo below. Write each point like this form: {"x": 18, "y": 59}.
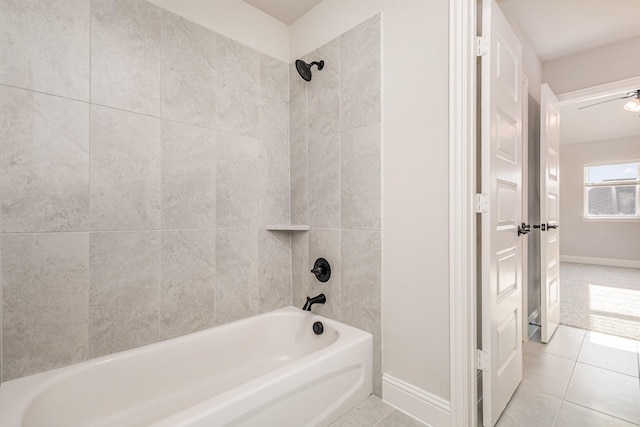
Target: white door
{"x": 549, "y": 212}
{"x": 501, "y": 246}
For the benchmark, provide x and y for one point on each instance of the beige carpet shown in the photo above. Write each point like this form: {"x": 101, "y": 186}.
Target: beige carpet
{"x": 600, "y": 298}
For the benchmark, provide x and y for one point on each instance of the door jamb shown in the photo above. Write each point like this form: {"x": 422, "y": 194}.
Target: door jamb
{"x": 525, "y": 206}
{"x": 462, "y": 217}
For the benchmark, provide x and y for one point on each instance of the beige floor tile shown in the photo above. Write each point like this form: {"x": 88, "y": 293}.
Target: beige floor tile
{"x": 547, "y": 373}
{"x": 572, "y": 415}
{"x": 563, "y": 343}
{"x": 399, "y": 419}
{"x": 572, "y": 329}
{"x": 530, "y": 408}
{"x": 367, "y": 413}
{"x": 609, "y": 352}
{"x": 606, "y": 391}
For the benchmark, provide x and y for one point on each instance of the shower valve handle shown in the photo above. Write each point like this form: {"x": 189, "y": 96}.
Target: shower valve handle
{"x": 321, "y": 269}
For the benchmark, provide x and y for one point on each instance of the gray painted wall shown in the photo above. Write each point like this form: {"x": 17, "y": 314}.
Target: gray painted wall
{"x": 594, "y": 239}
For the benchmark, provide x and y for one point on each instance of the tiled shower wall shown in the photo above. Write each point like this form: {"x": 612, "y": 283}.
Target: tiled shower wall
{"x": 140, "y": 156}
{"x": 336, "y": 180}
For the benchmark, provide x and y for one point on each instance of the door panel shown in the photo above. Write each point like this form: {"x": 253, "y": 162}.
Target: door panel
{"x": 549, "y": 212}
{"x": 501, "y": 247}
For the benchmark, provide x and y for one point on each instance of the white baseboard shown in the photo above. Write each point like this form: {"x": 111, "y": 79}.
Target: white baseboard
{"x": 611, "y": 262}
{"x": 422, "y": 405}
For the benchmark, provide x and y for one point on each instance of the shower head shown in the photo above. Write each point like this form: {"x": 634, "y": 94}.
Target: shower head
{"x": 304, "y": 69}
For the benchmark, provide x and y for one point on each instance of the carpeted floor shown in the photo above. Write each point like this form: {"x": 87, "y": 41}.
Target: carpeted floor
{"x": 600, "y": 298}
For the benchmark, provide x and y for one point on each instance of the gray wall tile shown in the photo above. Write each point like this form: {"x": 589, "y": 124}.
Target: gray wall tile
{"x": 188, "y": 176}
{"x": 323, "y": 91}
{"x": 124, "y": 290}
{"x": 189, "y": 71}
{"x": 1, "y": 304}
{"x": 299, "y": 181}
{"x": 324, "y": 182}
{"x": 324, "y": 243}
{"x": 125, "y": 170}
{"x": 45, "y": 311}
{"x": 187, "y": 281}
{"x": 361, "y": 260}
{"x": 274, "y": 270}
{"x": 360, "y": 185}
{"x": 44, "y": 162}
{"x": 126, "y": 55}
{"x": 44, "y": 46}
{"x": 298, "y": 115}
{"x": 360, "y": 77}
{"x": 238, "y": 170}
{"x": 238, "y": 88}
{"x": 274, "y": 99}
{"x": 148, "y": 191}
{"x": 300, "y": 267}
{"x": 273, "y": 202}
{"x": 336, "y": 180}
{"x": 236, "y": 293}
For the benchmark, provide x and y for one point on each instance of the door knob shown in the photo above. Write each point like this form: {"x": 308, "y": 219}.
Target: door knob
{"x": 554, "y": 226}
{"x": 524, "y": 229}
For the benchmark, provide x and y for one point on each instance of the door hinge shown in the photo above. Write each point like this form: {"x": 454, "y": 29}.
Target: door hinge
{"x": 482, "y": 45}
{"x": 484, "y": 363}
{"x": 482, "y": 203}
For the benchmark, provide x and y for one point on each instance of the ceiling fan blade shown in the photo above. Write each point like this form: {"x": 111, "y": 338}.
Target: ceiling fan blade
{"x": 631, "y": 95}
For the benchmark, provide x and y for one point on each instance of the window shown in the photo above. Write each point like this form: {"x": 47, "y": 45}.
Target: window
{"x": 612, "y": 191}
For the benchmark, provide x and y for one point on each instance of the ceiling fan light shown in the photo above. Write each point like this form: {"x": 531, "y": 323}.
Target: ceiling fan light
{"x": 633, "y": 105}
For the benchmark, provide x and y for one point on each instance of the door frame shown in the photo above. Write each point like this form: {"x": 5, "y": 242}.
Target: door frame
{"x": 595, "y": 92}
{"x": 525, "y": 206}
{"x": 462, "y": 217}
{"x": 462, "y": 182}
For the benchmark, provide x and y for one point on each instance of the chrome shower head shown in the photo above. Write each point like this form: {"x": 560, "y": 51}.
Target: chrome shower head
{"x": 304, "y": 69}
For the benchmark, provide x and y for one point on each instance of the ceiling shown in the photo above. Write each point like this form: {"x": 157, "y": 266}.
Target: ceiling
{"x": 599, "y": 122}
{"x": 558, "y": 28}
{"x": 555, "y": 28}
{"x": 287, "y": 11}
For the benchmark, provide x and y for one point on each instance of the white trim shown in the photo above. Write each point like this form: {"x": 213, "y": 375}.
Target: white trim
{"x": 426, "y": 407}
{"x": 598, "y": 91}
{"x": 525, "y": 206}
{"x": 462, "y": 224}
{"x": 611, "y": 262}
{"x": 611, "y": 219}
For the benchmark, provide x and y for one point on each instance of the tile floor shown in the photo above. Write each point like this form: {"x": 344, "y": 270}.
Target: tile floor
{"x": 579, "y": 379}
{"x": 374, "y": 412}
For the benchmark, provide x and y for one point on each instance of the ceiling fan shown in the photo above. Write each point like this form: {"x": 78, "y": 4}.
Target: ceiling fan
{"x": 632, "y": 105}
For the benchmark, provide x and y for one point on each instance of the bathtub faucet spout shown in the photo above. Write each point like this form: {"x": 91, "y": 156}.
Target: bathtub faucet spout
{"x": 320, "y": 299}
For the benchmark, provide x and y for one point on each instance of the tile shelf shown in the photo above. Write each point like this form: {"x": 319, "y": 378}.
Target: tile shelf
{"x": 285, "y": 227}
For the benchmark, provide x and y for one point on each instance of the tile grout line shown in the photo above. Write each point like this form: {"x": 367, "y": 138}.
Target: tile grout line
{"x": 602, "y": 413}
{"x": 161, "y": 215}
{"x": 564, "y": 394}
{"x": 88, "y": 217}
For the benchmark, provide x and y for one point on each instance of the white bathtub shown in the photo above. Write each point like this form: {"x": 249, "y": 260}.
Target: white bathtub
{"x": 268, "y": 370}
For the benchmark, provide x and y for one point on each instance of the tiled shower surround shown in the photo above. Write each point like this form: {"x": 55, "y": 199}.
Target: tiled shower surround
{"x": 335, "y": 180}
{"x": 141, "y": 156}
